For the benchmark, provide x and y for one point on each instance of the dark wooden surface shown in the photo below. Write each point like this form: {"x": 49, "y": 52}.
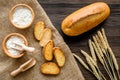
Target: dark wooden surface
{"x": 57, "y": 10}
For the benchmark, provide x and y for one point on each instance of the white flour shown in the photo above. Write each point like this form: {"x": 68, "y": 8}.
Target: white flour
{"x": 10, "y": 45}
{"x": 22, "y": 16}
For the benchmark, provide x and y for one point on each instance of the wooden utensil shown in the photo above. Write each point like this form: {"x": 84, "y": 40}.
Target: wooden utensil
{"x": 23, "y": 47}
{"x": 27, "y": 65}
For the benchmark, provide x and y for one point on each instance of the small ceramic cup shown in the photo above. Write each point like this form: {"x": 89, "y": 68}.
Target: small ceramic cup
{"x": 5, "y": 48}
{"x": 18, "y": 6}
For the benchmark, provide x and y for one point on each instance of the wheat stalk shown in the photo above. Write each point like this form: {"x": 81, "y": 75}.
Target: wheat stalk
{"x": 98, "y": 49}
{"x": 92, "y": 62}
{"x": 94, "y": 56}
{"x": 110, "y": 64}
{"x": 101, "y": 48}
{"x": 99, "y": 56}
{"x": 106, "y": 66}
{"x": 82, "y": 62}
{"x": 97, "y": 46}
{"x": 102, "y": 39}
{"x": 100, "y": 43}
{"x": 111, "y": 53}
{"x": 102, "y": 60}
{"x": 100, "y": 73}
{"x": 93, "y": 69}
{"x": 92, "y": 51}
{"x": 87, "y": 56}
{"x": 98, "y": 40}
{"x": 114, "y": 60}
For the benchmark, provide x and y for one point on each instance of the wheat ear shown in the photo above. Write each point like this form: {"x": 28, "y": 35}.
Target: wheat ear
{"x": 98, "y": 55}
{"x": 97, "y": 46}
{"x": 114, "y": 59}
{"x": 102, "y": 39}
{"x": 98, "y": 40}
{"x": 87, "y": 56}
{"x": 81, "y": 61}
{"x": 102, "y": 61}
{"x": 99, "y": 51}
{"x": 111, "y": 53}
{"x": 92, "y": 51}
{"x": 85, "y": 65}
{"x": 93, "y": 54}
{"x": 100, "y": 44}
{"x": 93, "y": 69}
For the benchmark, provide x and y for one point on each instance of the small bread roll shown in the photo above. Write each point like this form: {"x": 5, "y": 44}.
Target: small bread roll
{"x": 85, "y": 18}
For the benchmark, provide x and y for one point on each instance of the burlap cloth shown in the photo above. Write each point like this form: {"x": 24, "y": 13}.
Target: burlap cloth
{"x": 69, "y": 72}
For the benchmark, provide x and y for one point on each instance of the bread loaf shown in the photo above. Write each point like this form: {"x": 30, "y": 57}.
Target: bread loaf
{"x": 85, "y": 18}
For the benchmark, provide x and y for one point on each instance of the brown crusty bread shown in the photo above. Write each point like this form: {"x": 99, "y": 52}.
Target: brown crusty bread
{"x": 46, "y": 37}
{"x": 48, "y": 51}
{"x": 85, "y": 18}
{"x": 59, "y": 56}
{"x": 50, "y": 68}
{"x": 38, "y": 29}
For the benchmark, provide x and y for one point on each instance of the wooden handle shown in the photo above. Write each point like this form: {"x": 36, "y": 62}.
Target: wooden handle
{"x": 24, "y": 47}
{"x": 29, "y": 49}
{"x": 15, "y": 72}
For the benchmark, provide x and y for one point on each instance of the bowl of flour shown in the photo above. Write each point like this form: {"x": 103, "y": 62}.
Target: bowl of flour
{"x": 8, "y": 45}
{"x": 21, "y": 16}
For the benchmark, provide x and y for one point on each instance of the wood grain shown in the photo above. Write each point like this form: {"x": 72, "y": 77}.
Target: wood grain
{"x": 57, "y": 10}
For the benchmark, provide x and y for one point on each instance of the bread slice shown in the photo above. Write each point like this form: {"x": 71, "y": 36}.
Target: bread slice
{"x": 38, "y": 30}
{"x": 59, "y": 56}
{"x": 48, "y": 51}
{"x": 47, "y": 36}
{"x": 49, "y": 68}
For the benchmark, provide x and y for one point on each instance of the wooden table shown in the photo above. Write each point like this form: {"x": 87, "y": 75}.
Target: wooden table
{"x": 57, "y": 10}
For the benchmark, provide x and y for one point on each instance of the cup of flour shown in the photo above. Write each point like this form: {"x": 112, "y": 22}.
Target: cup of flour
{"x": 8, "y": 45}
{"x": 21, "y": 16}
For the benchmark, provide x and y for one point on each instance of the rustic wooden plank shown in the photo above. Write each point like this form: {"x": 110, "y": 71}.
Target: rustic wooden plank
{"x": 77, "y": 1}
{"x": 57, "y": 10}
